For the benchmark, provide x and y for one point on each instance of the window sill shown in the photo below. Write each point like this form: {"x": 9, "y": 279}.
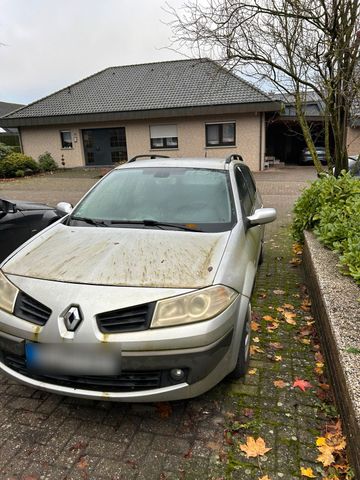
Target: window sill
{"x": 164, "y": 149}
{"x": 220, "y": 146}
{"x": 67, "y": 148}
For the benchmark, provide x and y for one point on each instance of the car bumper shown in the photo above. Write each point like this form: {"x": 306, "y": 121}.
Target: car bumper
{"x": 206, "y": 351}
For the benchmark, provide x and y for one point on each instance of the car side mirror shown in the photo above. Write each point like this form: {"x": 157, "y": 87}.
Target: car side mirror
{"x": 63, "y": 208}
{"x": 261, "y": 216}
{"x": 7, "y": 207}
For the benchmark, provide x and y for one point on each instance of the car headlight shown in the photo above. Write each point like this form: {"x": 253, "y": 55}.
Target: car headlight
{"x": 192, "y": 307}
{"x": 8, "y": 294}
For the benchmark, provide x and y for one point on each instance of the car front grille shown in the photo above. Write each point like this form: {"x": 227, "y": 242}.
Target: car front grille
{"x": 127, "y": 381}
{"x": 129, "y": 319}
{"x": 31, "y": 310}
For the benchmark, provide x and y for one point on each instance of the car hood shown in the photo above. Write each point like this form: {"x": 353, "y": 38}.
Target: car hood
{"x": 121, "y": 256}
{"x": 20, "y": 205}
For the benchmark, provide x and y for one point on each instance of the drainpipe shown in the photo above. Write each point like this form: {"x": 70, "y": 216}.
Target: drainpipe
{"x": 20, "y": 140}
{"x": 261, "y": 159}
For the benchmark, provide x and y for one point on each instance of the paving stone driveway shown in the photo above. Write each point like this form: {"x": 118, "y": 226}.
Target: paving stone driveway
{"x": 44, "y": 436}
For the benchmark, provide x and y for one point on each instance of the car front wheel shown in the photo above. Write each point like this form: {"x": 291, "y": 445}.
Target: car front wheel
{"x": 244, "y": 350}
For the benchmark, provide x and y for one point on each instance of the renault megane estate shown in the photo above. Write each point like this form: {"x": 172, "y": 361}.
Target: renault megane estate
{"x": 142, "y": 291}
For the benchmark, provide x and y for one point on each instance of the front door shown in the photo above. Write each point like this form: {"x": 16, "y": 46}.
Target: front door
{"x": 104, "y": 146}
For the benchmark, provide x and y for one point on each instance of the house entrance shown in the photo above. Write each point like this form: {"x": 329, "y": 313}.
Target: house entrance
{"x": 104, "y": 146}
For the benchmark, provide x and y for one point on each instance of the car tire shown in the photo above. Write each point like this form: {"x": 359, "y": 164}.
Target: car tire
{"x": 244, "y": 350}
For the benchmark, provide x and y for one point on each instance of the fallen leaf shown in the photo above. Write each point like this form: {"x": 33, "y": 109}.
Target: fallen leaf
{"x": 248, "y": 412}
{"x": 255, "y": 349}
{"x": 256, "y": 339}
{"x": 295, "y": 261}
{"x": 289, "y": 306}
{"x": 280, "y": 309}
{"x": 254, "y": 448}
{"x": 278, "y": 358}
{"x": 252, "y": 371}
{"x": 262, "y": 295}
{"x": 279, "y": 383}
{"x": 254, "y": 326}
{"x": 276, "y": 345}
{"x": 302, "y": 384}
{"x": 289, "y": 317}
{"x": 290, "y": 321}
{"x": 265, "y": 477}
{"x": 307, "y": 472}
{"x": 319, "y": 357}
{"x": 273, "y": 326}
{"x": 305, "y": 331}
{"x": 279, "y": 292}
{"x": 268, "y": 318}
{"x": 164, "y": 409}
{"x": 326, "y": 457}
{"x": 82, "y": 463}
{"x": 305, "y": 341}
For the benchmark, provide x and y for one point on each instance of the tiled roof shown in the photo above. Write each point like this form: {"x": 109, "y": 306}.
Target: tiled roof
{"x": 6, "y": 107}
{"x": 164, "y": 85}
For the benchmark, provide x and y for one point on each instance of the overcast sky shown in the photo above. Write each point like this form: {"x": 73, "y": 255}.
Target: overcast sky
{"x": 49, "y": 44}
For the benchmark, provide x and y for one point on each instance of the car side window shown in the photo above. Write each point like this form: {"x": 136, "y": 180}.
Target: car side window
{"x": 244, "y": 194}
{"x": 249, "y": 182}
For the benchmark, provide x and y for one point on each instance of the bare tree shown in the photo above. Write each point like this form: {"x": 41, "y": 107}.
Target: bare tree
{"x": 296, "y": 45}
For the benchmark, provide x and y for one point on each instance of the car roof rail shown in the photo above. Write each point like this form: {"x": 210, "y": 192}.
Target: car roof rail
{"x": 133, "y": 159}
{"x": 233, "y": 156}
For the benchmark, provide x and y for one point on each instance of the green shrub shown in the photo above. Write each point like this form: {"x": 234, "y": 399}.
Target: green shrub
{"x": 331, "y": 207}
{"x": 19, "y": 173}
{"x": 5, "y": 150}
{"x": 17, "y": 161}
{"x": 47, "y": 163}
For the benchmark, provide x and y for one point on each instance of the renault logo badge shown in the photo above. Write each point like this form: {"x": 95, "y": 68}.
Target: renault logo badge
{"x": 72, "y": 318}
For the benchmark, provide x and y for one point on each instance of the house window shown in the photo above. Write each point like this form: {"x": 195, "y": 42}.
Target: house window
{"x": 66, "y": 140}
{"x": 163, "y": 136}
{"x": 220, "y": 134}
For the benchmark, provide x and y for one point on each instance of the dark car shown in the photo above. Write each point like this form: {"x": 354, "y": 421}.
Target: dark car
{"x": 20, "y": 221}
{"x": 306, "y": 158}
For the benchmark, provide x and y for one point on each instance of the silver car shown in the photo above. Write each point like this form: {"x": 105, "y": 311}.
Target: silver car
{"x": 142, "y": 291}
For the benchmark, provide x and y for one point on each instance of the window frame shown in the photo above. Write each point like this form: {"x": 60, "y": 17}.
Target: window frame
{"x": 221, "y": 143}
{"x": 62, "y": 140}
{"x": 164, "y": 140}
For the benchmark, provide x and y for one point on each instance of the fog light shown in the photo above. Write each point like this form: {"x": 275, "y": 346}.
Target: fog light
{"x": 177, "y": 374}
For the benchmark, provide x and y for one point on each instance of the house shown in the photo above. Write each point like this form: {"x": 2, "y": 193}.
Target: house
{"x": 176, "y": 108}
{"x": 9, "y": 136}
{"x": 353, "y": 137}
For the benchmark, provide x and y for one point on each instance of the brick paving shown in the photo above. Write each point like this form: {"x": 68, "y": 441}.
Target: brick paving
{"x": 45, "y": 436}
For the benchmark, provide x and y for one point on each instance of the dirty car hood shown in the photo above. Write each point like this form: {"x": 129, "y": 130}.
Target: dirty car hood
{"x": 121, "y": 256}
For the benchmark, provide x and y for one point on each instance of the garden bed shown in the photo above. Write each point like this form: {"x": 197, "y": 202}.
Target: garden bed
{"x": 336, "y": 303}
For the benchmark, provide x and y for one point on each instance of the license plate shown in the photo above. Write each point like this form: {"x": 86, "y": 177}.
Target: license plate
{"x": 73, "y": 359}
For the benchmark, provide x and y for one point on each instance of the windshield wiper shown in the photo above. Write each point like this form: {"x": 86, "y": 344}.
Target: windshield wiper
{"x": 91, "y": 221}
{"x": 154, "y": 223}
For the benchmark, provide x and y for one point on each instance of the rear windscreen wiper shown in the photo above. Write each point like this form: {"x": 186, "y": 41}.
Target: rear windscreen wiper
{"x": 154, "y": 223}
{"x": 91, "y": 221}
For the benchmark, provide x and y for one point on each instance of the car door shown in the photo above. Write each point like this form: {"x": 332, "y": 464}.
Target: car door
{"x": 14, "y": 229}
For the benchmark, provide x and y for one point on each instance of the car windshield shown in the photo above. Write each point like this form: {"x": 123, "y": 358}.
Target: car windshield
{"x": 195, "y": 199}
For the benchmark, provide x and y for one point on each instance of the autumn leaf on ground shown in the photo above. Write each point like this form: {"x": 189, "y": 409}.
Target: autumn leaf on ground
{"x": 164, "y": 409}
{"x": 278, "y": 358}
{"x": 279, "y": 383}
{"x": 82, "y": 463}
{"x": 289, "y": 306}
{"x": 307, "y": 472}
{"x": 280, "y": 309}
{"x": 326, "y": 457}
{"x": 268, "y": 318}
{"x": 265, "y": 477}
{"x": 276, "y": 345}
{"x": 319, "y": 368}
{"x": 254, "y": 326}
{"x": 254, "y": 448}
{"x": 252, "y": 371}
{"x": 295, "y": 261}
{"x": 297, "y": 248}
{"x": 255, "y": 349}
{"x": 256, "y": 339}
{"x": 273, "y": 326}
{"x": 279, "y": 292}
{"x": 305, "y": 331}
{"x": 248, "y": 412}
{"x": 262, "y": 295}
{"x": 302, "y": 384}
{"x": 319, "y": 357}
{"x": 289, "y": 318}
{"x": 305, "y": 341}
